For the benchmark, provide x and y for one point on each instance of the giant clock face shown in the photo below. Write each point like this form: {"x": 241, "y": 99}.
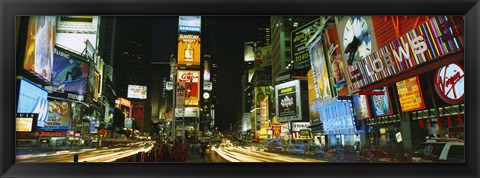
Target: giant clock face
{"x": 356, "y": 39}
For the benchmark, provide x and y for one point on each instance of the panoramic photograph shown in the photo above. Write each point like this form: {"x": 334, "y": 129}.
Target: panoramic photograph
{"x": 207, "y": 89}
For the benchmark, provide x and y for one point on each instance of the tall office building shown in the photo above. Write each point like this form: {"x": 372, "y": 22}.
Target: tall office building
{"x": 131, "y": 57}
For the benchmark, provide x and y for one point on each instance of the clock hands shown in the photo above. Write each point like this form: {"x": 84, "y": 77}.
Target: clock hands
{"x": 351, "y": 49}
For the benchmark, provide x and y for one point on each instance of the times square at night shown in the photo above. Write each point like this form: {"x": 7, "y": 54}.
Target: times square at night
{"x": 200, "y": 89}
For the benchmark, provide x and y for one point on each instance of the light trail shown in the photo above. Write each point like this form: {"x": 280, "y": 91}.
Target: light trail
{"x": 234, "y": 154}
{"x": 91, "y": 154}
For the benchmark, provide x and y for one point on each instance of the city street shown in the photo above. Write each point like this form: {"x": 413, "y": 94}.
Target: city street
{"x": 90, "y": 155}
{"x": 239, "y": 154}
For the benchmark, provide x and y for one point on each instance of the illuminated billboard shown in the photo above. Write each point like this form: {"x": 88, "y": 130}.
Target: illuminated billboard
{"x": 337, "y": 118}
{"x": 338, "y": 69}
{"x": 288, "y": 101}
{"x": 299, "y": 39}
{"x": 58, "y": 115}
{"x": 263, "y": 56}
{"x": 206, "y": 70}
{"x": 248, "y": 53}
{"x": 439, "y": 36}
{"x": 70, "y": 72}
{"x": 319, "y": 67}
{"x": 410, "y": 95}
{"x": 360, "y": 105}
{"x": 137, "y": 92}
{"x": 25, "y": 122}
{"x": 188, "y": 49}
{"x": 381, "y": 103}
{"x": 73, "y": 32}
{"x": 449, "y": 83}
{"x": 39, "y": 47}
{"x": 94, "y": 81}
{"x": 189, "y": 24}
{"x": 262, "y": 92}
{"x": 33, "y": 99}
{"x": 192, "y": 86}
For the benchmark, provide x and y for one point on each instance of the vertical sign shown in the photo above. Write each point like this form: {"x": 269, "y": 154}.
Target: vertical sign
{"x": 180, "y": 95}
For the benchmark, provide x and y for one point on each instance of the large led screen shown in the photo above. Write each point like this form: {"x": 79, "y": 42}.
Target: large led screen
{"x": 70, "y": 72}
{"x": 73, "y": 32}
{"x": 360, "y": 105}
{"x": 33, "y": 99}
{"x": 319, "y": 66}
{"x": 39, "y": 46}
{"x": 410, "y": 95}
{"x": 137, "y": 92}
{"x": 192, "y": 83}
{"x": 58, "y": 115}
{"x": 288, "y": 101}
{"x": 381, "y": 103}
{"x": 188, "y": 49}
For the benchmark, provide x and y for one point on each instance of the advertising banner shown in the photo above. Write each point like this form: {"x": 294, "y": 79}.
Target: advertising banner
{"x": 192, "y": 86}
{"x": 33, "y": 99}
{"x": 70, "y": 73}
{"x": 123, "y": 102}
{"x": 188, "y": 49}
{"x": 319, "y": 67}
{"x": 284, "y": 129}
{"x": 261, "y": 93}
{"x": 25, "y": 122}
{"x": 357, "y": 40}
{"x": 439, "y": 36}
{"x": 312, "y": 94}
{"x": 100, "y": 68}
{"x": 169, "y": 86}
{"x": 277, "y": 129}
{"x": 187, "y": 112}
{"x": 39, "y": 46}
{"x": 246, "y": 122}
{"x": 180, "y": 95}
{"x": 264, "y": 115}
{"x": 58, "y": 115}
{"x": 338, "y": 71}
{"x": 206, "y": 70}
{"x": 449, "y": 83}
{"x": 337, "y": 118}
{"x": 248, "y": 52}
{"x": 189, "y": 24}
{"x": 299, "y": 39}
{"x": 93, "y": 81}
{"x": 410, "y": 95}
{"x": 137, "y": 92}
{"x": 109, "y": 115}
{"x": 361, "y": 107}
{"x": 263, "y": 56}
{"x": 381, "y": 103}
{"x": 297, "y": 126}
{"x": 288, "y": 101}
{"x": 73, "y": 32}
{"x": 207, "y": 86}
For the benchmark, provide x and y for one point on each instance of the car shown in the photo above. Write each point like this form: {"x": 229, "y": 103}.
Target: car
{"x": 439, "y": 152}
{"x": 315, "y": 150}
{"x": 296, "y": 149}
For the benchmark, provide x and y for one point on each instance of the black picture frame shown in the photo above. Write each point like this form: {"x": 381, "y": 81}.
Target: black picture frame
{"x": 11, "y": 8}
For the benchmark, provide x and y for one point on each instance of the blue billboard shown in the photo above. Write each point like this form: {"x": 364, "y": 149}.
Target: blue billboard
{"x": 70, "y": 72}
{"x": 189, "y": 23}
{"x": 33, "y": 99}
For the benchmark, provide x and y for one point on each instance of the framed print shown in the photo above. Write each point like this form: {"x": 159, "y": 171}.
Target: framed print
{"x": 290, "y": 89}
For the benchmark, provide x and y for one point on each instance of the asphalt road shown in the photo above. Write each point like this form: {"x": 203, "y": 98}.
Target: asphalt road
{"x": 239, "y": 154}
{"x": 90, "y": 155}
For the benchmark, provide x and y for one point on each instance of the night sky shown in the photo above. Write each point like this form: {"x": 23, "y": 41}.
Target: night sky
{"x": 226, "y": 36}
